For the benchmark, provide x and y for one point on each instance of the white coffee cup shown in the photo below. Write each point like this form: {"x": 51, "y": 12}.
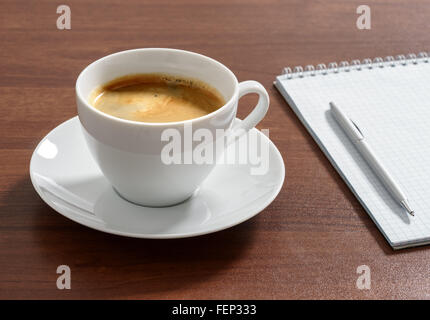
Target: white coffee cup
{"x": 129, "y": 152}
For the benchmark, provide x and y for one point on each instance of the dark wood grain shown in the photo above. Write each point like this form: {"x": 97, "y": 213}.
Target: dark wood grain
{"x": 306, "y": 244}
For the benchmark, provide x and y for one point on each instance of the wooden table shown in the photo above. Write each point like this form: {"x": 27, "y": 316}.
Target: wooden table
{"x": 307, "y": 244}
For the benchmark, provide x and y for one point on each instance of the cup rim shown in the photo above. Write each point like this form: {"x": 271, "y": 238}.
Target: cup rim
{"x": 156, "y": 124}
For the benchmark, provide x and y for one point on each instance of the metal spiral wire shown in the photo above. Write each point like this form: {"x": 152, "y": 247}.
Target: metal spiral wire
{"x": 345, "y": 66}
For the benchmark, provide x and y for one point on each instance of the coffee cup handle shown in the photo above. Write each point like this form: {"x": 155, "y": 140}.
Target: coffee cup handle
{"x": 256, "y": 115}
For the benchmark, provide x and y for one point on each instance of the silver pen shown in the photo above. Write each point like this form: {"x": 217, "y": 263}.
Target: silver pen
{"x": 357, "y": 138}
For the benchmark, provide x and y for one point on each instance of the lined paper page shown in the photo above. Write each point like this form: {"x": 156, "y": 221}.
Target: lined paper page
{"x": 391, "y": 106}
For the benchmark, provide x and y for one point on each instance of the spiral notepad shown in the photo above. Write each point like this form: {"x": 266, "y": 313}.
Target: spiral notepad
{"x": 389, "y": 100}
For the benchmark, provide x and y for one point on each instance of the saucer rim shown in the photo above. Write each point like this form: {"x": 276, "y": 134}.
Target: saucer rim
{"x": 99, "y": 225}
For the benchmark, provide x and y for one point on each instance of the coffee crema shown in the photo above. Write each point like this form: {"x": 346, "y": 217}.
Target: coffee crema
{"x": 156, "y": 97}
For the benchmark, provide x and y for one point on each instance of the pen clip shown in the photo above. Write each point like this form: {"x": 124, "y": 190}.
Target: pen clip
{"x": 358, "y": 129}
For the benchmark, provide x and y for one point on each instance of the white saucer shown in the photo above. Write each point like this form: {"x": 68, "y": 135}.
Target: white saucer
{"x": 67, "y": 179}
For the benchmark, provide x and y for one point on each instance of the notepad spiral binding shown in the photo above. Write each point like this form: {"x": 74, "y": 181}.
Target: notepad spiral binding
{"x": 333, "y": 67}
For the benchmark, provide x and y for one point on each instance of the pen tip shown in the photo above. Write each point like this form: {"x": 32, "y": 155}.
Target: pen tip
{"x": 405, "y": 205}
